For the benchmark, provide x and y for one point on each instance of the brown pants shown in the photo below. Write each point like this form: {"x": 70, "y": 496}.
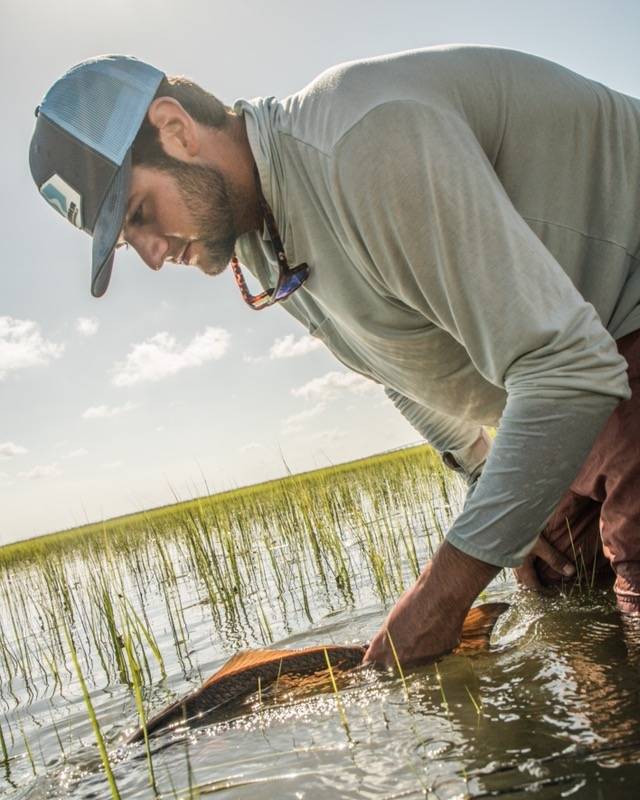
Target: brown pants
{"x": 597, "y": 523}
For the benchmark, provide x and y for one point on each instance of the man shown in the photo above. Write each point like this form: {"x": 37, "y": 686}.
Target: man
{"x": 459, "y": 224}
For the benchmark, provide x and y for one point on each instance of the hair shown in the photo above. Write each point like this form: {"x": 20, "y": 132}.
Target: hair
{"x": 196, "y": 101}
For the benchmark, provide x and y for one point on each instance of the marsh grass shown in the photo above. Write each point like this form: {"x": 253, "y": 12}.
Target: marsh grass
{"x": 104, "y": 757}
{"x": 476, "y": 705}
{"x": 134, "y": 669}
{"x": 256, "y": 562}
{"x": 584, "y": 581}
{"x": 398, "y": 665}
{"x": 445, "y": 702}
{"x": 336, "y": 694}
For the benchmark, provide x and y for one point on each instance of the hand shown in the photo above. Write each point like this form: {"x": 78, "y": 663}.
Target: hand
{"x": 427, "y": 619}
{"x": 527, "y": 575}
{"x": 417, "y": 634}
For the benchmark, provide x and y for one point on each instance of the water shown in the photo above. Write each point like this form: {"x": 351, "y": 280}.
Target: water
{"x": 558, "y": 709}
{"x": 551, "y": 710}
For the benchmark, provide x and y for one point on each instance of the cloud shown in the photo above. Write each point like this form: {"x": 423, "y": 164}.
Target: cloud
{"x": 9, "y": 450}
{"x": 251, "y": 447}
{"x": 290, "y": 347}
{"x": 296, "y": 421}
{"x": 87, "y": 326}
{"x": 160, "y": 356}
{"x": 41, "y": 472}
{"x": 113, "y": 464}
{"x": 287, "y": 347}
{"x": 22, "y": 345}
{"x": 76, "y": 453}
{"x": 104, "y": 412}
{"x": 331, "y": 384}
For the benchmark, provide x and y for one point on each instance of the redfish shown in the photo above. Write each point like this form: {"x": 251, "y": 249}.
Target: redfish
{"x": 252, "y": 670}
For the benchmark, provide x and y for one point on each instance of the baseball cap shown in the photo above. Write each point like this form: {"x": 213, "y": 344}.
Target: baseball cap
{"x": 80, "y": 154}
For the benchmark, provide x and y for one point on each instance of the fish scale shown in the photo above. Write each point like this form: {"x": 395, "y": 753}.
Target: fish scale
{"x": 236, "y": 679}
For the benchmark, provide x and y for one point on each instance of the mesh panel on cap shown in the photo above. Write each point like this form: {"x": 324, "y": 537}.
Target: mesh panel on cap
{"x": 103, "y": 105}
{"x": 87, "y": 108}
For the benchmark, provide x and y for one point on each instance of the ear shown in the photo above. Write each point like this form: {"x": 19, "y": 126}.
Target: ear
{"x": 178, "y": 131}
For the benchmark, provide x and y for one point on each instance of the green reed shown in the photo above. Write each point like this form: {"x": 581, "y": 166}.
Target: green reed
{"x": 104, "y": 757}
{"x": 254, "y": 561}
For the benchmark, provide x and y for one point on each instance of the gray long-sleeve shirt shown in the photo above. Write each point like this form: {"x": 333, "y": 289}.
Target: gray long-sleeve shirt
{"x": 472, "y": 220}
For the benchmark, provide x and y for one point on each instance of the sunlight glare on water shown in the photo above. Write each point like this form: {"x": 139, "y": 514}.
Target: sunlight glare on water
{"x": 557, "y": 711}
{"x": 551, "y": 709}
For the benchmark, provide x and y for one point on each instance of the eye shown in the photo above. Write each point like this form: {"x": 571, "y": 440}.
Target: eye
{"x": 137, "y": 217}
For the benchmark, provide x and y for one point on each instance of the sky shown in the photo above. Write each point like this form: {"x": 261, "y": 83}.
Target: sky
{"x": 169, "y": 385}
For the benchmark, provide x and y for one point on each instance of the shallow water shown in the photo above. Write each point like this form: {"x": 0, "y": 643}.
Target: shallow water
{"x": 551, "y": 710}
{"x": 555, "y": 710}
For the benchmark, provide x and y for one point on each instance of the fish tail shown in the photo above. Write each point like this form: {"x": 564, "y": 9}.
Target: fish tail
{"x": 478, "y": 626}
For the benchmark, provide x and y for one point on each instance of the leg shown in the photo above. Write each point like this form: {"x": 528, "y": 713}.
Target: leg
{"x": 603, "y": 504}
{"x": 620, "y": 516}
{"x": 604, "y": 501}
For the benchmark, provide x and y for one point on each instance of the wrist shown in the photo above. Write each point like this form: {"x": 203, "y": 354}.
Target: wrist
{"x": 455, "y": 578}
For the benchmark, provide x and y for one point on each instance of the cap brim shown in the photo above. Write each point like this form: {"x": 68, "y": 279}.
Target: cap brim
{"x": 107, "y": 229}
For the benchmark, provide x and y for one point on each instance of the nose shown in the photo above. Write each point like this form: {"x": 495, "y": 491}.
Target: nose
{"x": 151, "y": 247}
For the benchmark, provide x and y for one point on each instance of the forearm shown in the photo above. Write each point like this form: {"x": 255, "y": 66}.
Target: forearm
{"x": 540, "y": 446}
{"x": 427, "y": 620}
{"x": 453, "y": 580}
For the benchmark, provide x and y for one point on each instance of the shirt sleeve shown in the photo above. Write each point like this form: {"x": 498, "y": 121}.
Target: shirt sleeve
{"x": 468, "y": 444}
{"x": 424, "y": 209}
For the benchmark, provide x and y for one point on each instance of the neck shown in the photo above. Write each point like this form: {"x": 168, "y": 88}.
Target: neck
{"x": 247, "y": 212}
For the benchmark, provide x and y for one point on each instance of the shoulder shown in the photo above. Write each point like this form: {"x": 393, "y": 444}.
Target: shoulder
{"x": 335, "y": 102}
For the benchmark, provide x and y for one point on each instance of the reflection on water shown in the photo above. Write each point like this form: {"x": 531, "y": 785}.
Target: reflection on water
{"x": 567, "y": 705}
{"x": 552, "y": 710}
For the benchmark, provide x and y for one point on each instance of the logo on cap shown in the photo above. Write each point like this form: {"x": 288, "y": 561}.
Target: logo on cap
{"x": 57, "y": 192}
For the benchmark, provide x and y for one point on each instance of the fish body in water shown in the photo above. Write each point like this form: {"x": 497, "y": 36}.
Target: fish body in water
{"x": 250, "y": 670}
{"x": 243, "y": 674}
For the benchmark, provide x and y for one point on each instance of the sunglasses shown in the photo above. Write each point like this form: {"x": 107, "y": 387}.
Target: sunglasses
{"x": 289, "y": 278}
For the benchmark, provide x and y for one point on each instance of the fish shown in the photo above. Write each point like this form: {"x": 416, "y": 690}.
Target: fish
{"x": 251, "y": 670}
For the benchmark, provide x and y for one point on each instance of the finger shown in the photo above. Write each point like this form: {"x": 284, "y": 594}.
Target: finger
{"x": 527, "y": 576}
{"x": 369, "y": 656}
{"x": 554, "y": 558}
{"x": 376, "y": 652}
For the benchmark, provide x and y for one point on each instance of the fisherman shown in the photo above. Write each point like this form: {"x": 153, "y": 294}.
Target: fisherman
{"x": 459, "y": 224}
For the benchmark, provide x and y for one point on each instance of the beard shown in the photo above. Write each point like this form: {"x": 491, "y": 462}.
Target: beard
{"x": 206, "y": 195}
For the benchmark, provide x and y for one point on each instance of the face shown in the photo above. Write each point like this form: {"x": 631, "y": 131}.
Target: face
{"x": 180, "y": 213}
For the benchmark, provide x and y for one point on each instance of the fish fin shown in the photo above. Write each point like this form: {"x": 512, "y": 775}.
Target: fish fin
{"x": 249, "y": 659}
{"x": 478, "y": 626}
